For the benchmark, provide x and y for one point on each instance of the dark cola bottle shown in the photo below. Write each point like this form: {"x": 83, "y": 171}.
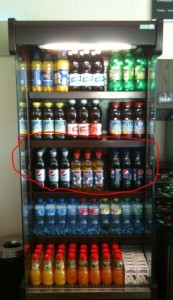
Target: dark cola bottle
{"x": 138, "y": 171}
{"x": 65, "y": 169}
{"x": 53, "y": 171}
{"x": 115, "y": 171}
{"x": 139, "y": 123}
{"x": 48, "y": 121}
{"x": 85, "y": 71}
{"x": 127, "y": 120}
{"x": 83, "y": 115}
{"x": 72, "y": 120}
{"x": 95, "y": 114}
{"x": 97, "y": 69}
{"x": 126, "y": 171}
{"x": 74, "y": 75}
{"x": 39, "y": 172}
{"x": 115, "y": 123}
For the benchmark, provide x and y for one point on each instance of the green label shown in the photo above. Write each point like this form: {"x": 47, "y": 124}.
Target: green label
{"x": 115, "y": 73}
{"x": 140, "y": 73}
{"x": 47, "y": 266}
{"x": 128, "y": 73}
{"x": 71, "y": 264}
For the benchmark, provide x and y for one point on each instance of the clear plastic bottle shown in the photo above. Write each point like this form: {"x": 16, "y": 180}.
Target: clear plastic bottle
{"x": 85, "y": 70}
{"x": 61, "y": 216}
{"x": 87, "y": 172}
{"x": 72, "y": 120}
{"x": 126, "y": 171}
{"x": 71, "y": 271}
{"x": 148, "y": 216}
{"x": 95, "y": 113}
{"x": 115, "y": 123}
{"x": 127, "y": 225}
{"x": 116, "y": 217}
{"x": 59, "y": 272}
{"x": 47, "y": 270}
{"x": 128, "y": 71}
{"x": 48, "y": 73}
{"x": 53, "y": 170}
{"x": 118, "y": 269}
{"x": 93, "y": 218}
{"x": 37, "y": 72}
{"x": 50, "y": 212}
{"x": 97, "y": 69}
{"x": 98, "y": 172}
{"x": 138, "y": 119}
{"x": 65, "y": 169}
{"x": 23, "y": 123}
{"x": 48, "y": 121}
{"x": 83, "y": 118}
{"x": 61, "y": 72}
{"x": 40, "y": 173}
{"x": 104, "y": 216}
{"x": 39, "y": 217}
{"x": 127, "y": 120}
{"x": 138, "y": 225}
{"x": 94, "y": 272}
{"x": 83, "y": 273}
{"x": 115, "y": 71}
{"x": 36, "y": 121}
{"x": 82, "y": 217}
{"x": 27, "y": 217}
{"x": 140, "y": 70}
{"x": 138, "y": 171}
{"x": 76, "y": 176}
{"x": 115, "y": 171}
{"x": 75, "y": 77}
{"x": 106, "y": 270}
{"x": 35, "y": 273}
{"x": 72, "y": 217}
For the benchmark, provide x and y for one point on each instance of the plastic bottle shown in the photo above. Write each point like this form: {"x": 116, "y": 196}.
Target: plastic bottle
{"x": 94, "y": 272}
{"x": 85, "y": 70}
{"x": 61, "y": 217}
{"x": 25, "y": 174}
{"x": 75, "y": 77}
{"x": 82, "y": 216}
{"x": 118, "y": 269}
{"x": 127, "y": 120}
{"x": 53, "y": 171}
{"x": 140, "y": 70}
{"x": 48, "y": 73}
{"x": 106, "y": 270}
{"x": 128, "y": 71}
{"x": 138, "y": 171}
{"x": 72, "y": 217}
{"x": 72, "y": 122}
{"x": 104, "y": 217}
{"x": 126, "y": 171}
{"x": 83, "y": 119}
{"x": 27, "y": 217}
{"x": 36, "y": 121}
{"x": 59, "y": 272}
{"x": 23, "y": 75}
{"x": 115, "y": 71}
{"x": 61, "y": 73}
{"x": 115, "y": 123}
{"x": 47, "y": 271}
{"x": 139, "y": 123}
{"x": 83, "y": 273}
{"x": 95, "y": 120}
{"x": 35, "y": 273}
{"x": 87, "y": 172}
{"x": 116, "y": 217}
{"x": 50, "y": 212}
{"x": 59, "y": 121}
{"x": 37, "y": 72}
{"x": 151, "y": 121}
{"x": 64, "y": 169}
{"x": 127, "y": 227}
{"x": 48, "y": 121}
{"x": 97, "y": 69}
{"x": 93, "y": 218}
{"x": 148, "y": 216}
{"x": 39, "y": 217}
{"x": 98, "y": 172}
{"x": 152, "y": 69}
{"x": 137, "y": 207}
{"x": 115, "y": 171}
{"x": 71, "y": 271}
{"x": 150, "y": 167}
{"x": 40, "y": 173}
{"x": 23, "y": 123}
{"x": 76, "y": 176}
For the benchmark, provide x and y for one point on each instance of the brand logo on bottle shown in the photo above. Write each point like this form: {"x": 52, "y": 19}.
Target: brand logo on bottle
{"x": 63, "y": 173}
{"x": 38, "y": 173}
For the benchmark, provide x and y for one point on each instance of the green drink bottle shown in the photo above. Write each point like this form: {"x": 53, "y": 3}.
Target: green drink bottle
{"x": 128, "y": 71}
{"x": 140, "y": 70}
{"x": 152, "y": 65}
{"x": 115, "y": 69}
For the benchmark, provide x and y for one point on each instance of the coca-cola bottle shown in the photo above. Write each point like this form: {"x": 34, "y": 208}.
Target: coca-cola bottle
{"x": 95, "y": 120}
{"x": 53, "y": 171}
{"x": 83, "y": 120}
{"x": 72, "y": 124}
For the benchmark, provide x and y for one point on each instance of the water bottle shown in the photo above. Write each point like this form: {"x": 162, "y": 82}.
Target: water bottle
{"x": 50, "y": 217}
{"x": 116, "y": 217}
{"x": 127, "y": 227}
{"x": 39, "y": 215}
{"x": 61, "y": 211}
{"x": 27, "y": 217}
{"x": 137, "y": 208}
{"x": 104, "y": 217}
{"x": 93, "y": 220}
{"x": 148, "y": 216}
{"x": 72, "y": 217}
{"x": 82, "y": 217}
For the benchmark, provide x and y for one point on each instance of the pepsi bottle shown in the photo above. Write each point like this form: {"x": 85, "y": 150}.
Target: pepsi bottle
{"x": 126, "y": 171}
{"x": 138, "y": 171}
{"x": 53, "y": 171}
{"x": 39, "y": 174}
{"x": 115, "y": 171}
{"x": 65, "y": 169}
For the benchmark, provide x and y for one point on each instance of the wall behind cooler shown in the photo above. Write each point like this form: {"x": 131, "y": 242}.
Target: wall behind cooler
{"x": 10, "y": 210}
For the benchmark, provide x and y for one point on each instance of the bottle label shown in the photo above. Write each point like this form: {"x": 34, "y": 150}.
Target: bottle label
{"x": 48, "y": 126}
{"x": 98, "y": 177}
{"x": 87, "y": 179}
{"x": 61, "y": 77}
{"x": 53, "y": 175}
{"x": 140, "y": 73}
{"x": 23, "y": 78}
{"x": 39, "y": 212}
{"x": 36, "y": 126}
{"x": 115, "y": 209}
{"x": 72, "y": 129}
{"x": 59, "y": 265}
{"x": 93, "y": 211}
{"x": 94, "y": 264}
{"x": 138, "y": 174}
{"x": 60, "y": 126}
{"x": 115, "y": 73}
{"x": 40, "y": 175}
{"x": 47, "y": 265}
{"x": 98, "y": 79}
{"x": 61, "y": 211}
{"x": 65, "y": 175}
{"x": 35, "y": 266}
{"x": 84, "y": 129}
{"x": 118, "y": 264}
{"x": 36, "y": 77}
{"x": 138, "y": 210}
{"x": 75, "y": 79}
{"x": 76, "y": 178}
{"x": 115, "y": 127}
{"x": 95, "y": 129}
{"x": 71, "y": 211}
{"x": 71, "y": 264}
{"x": 86, "y": 79}
{"x": 106, "y": 264}
{"x": 50, "y": 210}
{"x": 127, "y": 127}
{"x": 116, "y": 177}
{"x": 126, "y": 174}
{"x": 128, "y": 73}
{"x": 139, "y": 127}
{"x": 82, "y": 211}
{"x": 48, "y": 78}
{"x": 23, "y": 127}
{"x": 126, "y": 210}
{"x": 83, "y": 264}
{"x": 104, "y": 209}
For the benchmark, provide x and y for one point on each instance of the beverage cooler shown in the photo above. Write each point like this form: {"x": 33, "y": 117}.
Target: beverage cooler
{"x": 88, "y": 157}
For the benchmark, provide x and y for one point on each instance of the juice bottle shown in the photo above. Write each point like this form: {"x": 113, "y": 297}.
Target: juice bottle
{"x": 48, "y": 72}
{"x": 94, "y": 272}
{"x": 59, "y": 273}
{"x": 76, "y": 177}
{"x": 35, "y": 274}
{"x": 71, "y": 271}
{"x": 106, "y": 271}
{"x": 23, "y": 75}
{"x": 115, "y": 123}
{"x": 47, "y": 271}
{"x": 118, "y": 269}
{"x": 36, "y": 121}
{"x": 23, "y": 125}
{"x": 87, "y": 172}
{"x": 98, "y": 172}
{"x": 83, "y": 275}
{"x": 36, "y": 71}
{"x": 61, "y": 73}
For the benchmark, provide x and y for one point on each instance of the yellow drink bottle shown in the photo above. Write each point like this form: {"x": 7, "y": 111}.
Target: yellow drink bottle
{"x": 48, "y": 73}
{"x": 37, "y": 70}
{"x": 61, "y": 73}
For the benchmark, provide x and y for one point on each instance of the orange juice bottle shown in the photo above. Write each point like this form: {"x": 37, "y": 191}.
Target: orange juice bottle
{"x": 83, "y": 276}
{"x": 61, "y": 73}
{"x": 106, "y": 271}
{"x": 59, "y": 273}
{"x": 35, "y": 274}
{"x": 36, "y": 71}
{"x": 118, "y": 269}
{"x": 94, "y": 273}
{"x": 47, "y": 271}
{"x": 48, "y": 73}
{"x": 71, "y": 271}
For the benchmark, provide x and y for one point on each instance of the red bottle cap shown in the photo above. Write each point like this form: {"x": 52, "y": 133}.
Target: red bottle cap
{"x": 115, "y": 104}
{"x": 83, "y": 256}
{"x": 105, "y": 245}
{"x": 94, "y": 246}
{"x": 98, "y": 154}
{"x": 82, "y": 251}
{"x": 38, "y": 252}
{"x": 39, "y": 246}
{"x": 128, "y": 104}
{"x": 94, "y": 256}
{"x": 118, "y": 256}
{"x": 76, "y": 154}
{"x": 62, "y": 246}
{"x": 71, "y": 255}
{"x": 106, "y": 255}
{"x": 59, "y": 256}
{"x": 72, "y": 246}
{"x": 35, "y": 256}
{"x": 50, "y": 246}
{"x": 139, "y": 104}
{"x": 87, "y": 154}
{"x": 83, "y": 246}
{"x": 47, "y": 257}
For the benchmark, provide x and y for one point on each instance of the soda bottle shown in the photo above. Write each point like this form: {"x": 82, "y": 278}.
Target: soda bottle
{"x": 37, "y": 72}
{"x": 151, "y": 121}
{"x": 82, "y": 217}
{"x": 61, "y": 73}
{"x": 59, "y": 272}
{"x": 48, "y": 73}
{"x": 150, "y": 167}
{"x": 115, "y": 71}
{"x": 152, "y": 69}
{"x": 104, "y": 217}
{"x": 87, "y": 172}
{"x": 115, "y": 123}
{"x": 50, "y": 212}
{"x": 72, "y": 122}
{"x": 127, "y": 120}
{"x": 85, "y": 71}
{"x": 137, "y": 207}
{"x": 93, "y": 218}
{"x": 36, "y": 121}
{"x": 47, "y": 270}
{"x": 97, "y": 69}
{"x": 48, "y": 121}
{"x": 53, "y": 171}
{"x": 39, "y": 217}
{"x": 126, "y": 171}
{"x": 61, "y": 212}
{"x": 59, "y": 121}
{"x": 95, "y": 120}
{"x": 27, "y": 217}
{"x": 83, "y": 115}
{"x": 106, "y": 270}
{"x": 98, "y": 172}
{"x": 128, "y": 71}
{"x": 76, "y": 176}
{"x": 140, "y": 70}
{"x": 118, "y": 269}
{"x": 35, "y": 274}
{"x": 72, "y": 217}
{"x": 71, "y": 271}
{"x": 116, "y": 217}
{"x": 138, "y": 172}
{"x": 23, "y": 75}
{"x": 75, "y": 77}
{"x": 94, "y": 272}
{"x": 127, "y": 227}
{"x": 40, "y": 174}
{"x": 25, "y": 174}
{"x": 83, "y": 274}
{"x": 115, "y": 171}
{"x": 65, "y": 169}
{"x": 23, "y": 123}
{"x": 139, "y": 123}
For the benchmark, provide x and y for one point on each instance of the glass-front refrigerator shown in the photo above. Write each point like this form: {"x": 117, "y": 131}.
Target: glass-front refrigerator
{"x": 86, "y": 96}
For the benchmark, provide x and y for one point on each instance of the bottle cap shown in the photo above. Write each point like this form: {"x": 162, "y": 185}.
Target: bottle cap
{"x": 83, "y": 246}
{"x": 72, "y": 245}
{"x": 47, "y": 257}
{"x": 59, "y": 256}
{"x": 39, "y": 246}
{"x": 127, "y": 104}
{"x": 35, "y": 256}
{"x": 94, "y": 246}
{"x": 36, "y": 104}
{"x": 38, "y": 252}
{"x": 87, "y": 154}
{"x": 48, "y": 104}
{"x": 83, "y": 101}
{"x": 105, "y": 245}
{"x": 115, "y": 104}
{"x": 59, "y": 104}
{"x": 72, "y": 101}
{"x": 95, "y": 101}
{"x": 76, "y": 154}
{"x": 83, "y": 256}
{"x": 71, "y": 255}
{"x": 139, "y": 104}
{"x": 98, "y": 154}
{"x": 62, "y": 246}
{"x": 94, "y": 256}
{"x": 22, "y": 104}
{"x": 118, "y": 256}
{"x": 106, "y": 255}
